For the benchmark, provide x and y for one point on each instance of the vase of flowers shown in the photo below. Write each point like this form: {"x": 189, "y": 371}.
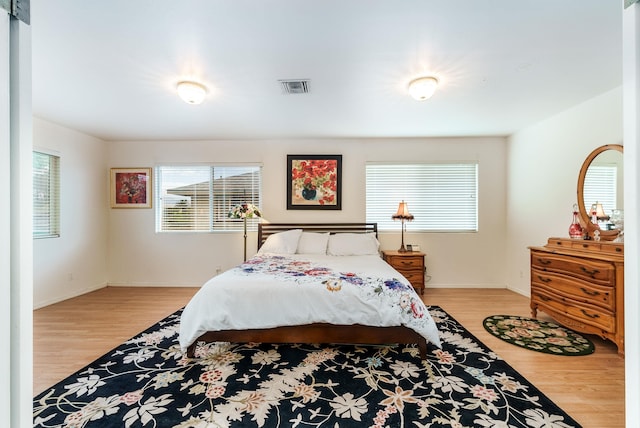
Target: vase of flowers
{"x": 309, "y": 193}
{"x": 244, "y": 211}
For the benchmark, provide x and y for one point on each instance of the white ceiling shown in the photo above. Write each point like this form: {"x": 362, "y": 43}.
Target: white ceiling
{"x": 109, "y": 68}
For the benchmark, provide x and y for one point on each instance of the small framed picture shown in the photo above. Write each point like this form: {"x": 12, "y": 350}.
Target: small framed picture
{"x": 409, "y": 247}
{"x": 130, "y": 188}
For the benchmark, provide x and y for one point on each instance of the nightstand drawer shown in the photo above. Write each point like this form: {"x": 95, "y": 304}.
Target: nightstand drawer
{"x": 406, "y": 262}
{"x": 414, "y": 277}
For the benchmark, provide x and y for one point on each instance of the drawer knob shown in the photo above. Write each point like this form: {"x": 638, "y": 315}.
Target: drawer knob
{"x": 543, "y": 279}
{"x": 589, "y": 272}
{"x": 543, "y": 261}
{"x": 589, "y": 315}
{"x": 589, "y": 292}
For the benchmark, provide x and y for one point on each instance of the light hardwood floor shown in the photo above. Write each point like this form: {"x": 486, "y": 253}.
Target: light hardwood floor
{"x": 71, "y": 334}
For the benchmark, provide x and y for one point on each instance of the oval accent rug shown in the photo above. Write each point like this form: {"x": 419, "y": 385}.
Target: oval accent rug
{"x": 536, "y": 335}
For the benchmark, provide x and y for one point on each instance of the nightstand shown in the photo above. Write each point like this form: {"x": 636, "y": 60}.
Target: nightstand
{"x": 409, "y": 264}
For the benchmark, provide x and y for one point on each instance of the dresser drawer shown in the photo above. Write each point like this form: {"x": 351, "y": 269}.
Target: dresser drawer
{"x": 406, "y": 263}
{"x": 585, "y": 313}
{"x": 574, "y": 289}
{"x": 582, "y": 245}
{"x": 587, "y": 269}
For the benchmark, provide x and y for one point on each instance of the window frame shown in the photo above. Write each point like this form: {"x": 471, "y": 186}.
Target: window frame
{"x": 419, "y": 204}
{"x": 52, "y": 218}
{"x": 600, "y": 185}
{"x": 217, "y": 219}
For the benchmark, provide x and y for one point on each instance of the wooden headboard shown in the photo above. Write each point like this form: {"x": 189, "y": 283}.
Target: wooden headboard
{"x": 267, "y": 229}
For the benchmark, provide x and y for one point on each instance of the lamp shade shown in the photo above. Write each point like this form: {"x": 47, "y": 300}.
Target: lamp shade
{"x": 599, "y": 211}
{"x": 403, "y": 212}
{"x": 191, "y": 92}
{"x": 423, "y": 88}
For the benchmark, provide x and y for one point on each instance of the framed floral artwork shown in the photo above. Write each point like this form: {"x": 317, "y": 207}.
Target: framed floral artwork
{"x": 314, "y": 182}
{"x": 130, "y": 187}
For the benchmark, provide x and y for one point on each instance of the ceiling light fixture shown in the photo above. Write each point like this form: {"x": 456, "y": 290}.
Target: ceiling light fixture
{"x": 423, "y": 88}
{"x": 191, "y": 92}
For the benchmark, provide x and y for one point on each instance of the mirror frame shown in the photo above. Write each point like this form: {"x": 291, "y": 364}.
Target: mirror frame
{"x": 585, "y": 218}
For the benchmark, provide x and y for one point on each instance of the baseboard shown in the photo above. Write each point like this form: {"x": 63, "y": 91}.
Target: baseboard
{"x": 497, "y": 286}
{"x": 75, "y": 293}
{"x": 151, "y": 284}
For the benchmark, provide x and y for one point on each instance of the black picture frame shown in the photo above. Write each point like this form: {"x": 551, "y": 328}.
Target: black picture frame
{"x": 314, "y": 182}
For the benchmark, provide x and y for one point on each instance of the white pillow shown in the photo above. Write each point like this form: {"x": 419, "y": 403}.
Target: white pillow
{"x": 282, "y": 242}
{"x": 353, "y": 244}
{"x": 313, "y": 243}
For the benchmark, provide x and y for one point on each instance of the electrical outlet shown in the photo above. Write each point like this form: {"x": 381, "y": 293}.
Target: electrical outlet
{"x": 218, "y": 270}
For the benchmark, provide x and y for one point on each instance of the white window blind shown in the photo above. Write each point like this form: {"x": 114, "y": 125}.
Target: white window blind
{"x": 198, "y": 198}
{"x": 46, "y": 195}
{"x": 442, "y": 197}
{"x": 600, "y": 186}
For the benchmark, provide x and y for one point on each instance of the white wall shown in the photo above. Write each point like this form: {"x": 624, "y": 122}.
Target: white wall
{"x": 139, "y": 256}
{"x": 544, "y": 162}
{"x": 76, "y": 262}
{"x": 527, "y": 189}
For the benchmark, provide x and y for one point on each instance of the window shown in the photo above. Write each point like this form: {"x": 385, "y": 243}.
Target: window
{"x": 600, "y": 186}
{"x": 46, "y": 195}
{"x": 198, "y": 198}
{"x": 442, "y": 197}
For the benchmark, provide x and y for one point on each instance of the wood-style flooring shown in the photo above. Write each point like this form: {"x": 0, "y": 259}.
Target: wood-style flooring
{"x": 71, "y": 334}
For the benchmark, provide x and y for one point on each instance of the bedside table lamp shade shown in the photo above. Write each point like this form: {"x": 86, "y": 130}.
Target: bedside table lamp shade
{"x": 403, "y": 215}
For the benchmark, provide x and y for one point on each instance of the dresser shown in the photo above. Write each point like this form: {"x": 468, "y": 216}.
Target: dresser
{"x": 410, "y": 264}
{"x": 580, "y": 284}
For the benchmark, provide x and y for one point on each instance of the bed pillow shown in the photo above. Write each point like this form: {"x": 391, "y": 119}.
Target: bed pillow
{"x": 313, "y": 243}
{"x": 353, "y": 244}
{"x": 281, "y": 242}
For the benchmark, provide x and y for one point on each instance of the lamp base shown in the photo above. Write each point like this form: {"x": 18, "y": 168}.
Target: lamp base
{"x": 403, "y": 250}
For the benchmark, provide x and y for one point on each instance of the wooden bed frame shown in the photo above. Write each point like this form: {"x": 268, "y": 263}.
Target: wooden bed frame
{"x": 318, "y": 332}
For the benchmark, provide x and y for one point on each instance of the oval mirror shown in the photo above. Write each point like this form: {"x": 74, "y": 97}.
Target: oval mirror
{"x": 600, "y": 182}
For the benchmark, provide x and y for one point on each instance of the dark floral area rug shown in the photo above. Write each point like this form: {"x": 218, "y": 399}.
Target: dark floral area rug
{"x": 147, "y": 382}
{"x": 536, "y": 335}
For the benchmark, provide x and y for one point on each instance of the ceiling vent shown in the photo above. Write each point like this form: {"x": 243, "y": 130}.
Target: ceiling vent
{"x": 300, "y": 86}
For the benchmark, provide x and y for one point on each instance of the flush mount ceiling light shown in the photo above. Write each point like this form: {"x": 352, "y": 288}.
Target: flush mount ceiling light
{"x": 423, "y": 88}
{"x": 191, "y": 92}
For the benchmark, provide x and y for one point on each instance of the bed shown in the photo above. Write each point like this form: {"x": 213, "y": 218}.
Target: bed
{"x": 296, "y": 291}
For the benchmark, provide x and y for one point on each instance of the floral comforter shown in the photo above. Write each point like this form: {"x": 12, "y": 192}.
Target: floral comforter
{"x": 274, "y": 290}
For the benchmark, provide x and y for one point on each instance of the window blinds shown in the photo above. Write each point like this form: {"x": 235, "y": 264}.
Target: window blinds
{"x": 442, "y": 197}
{"x": 46, "y": 195}
{"x": 600, "y": 186}
{"x": 198, "y": 198}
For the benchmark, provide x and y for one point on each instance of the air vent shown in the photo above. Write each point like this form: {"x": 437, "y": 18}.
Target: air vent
{"x": 300, "y": 86}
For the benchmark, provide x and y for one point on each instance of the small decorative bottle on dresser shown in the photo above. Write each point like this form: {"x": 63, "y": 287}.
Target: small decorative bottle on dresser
{"x": 410, "y": 264}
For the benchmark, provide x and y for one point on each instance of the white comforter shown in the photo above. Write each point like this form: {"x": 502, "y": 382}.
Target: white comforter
{"x": 272, "y": 290}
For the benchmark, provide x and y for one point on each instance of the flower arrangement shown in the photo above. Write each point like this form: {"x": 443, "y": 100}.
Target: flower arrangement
{"x": 244, "y": 211}
{"x": 309, "y": 176}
